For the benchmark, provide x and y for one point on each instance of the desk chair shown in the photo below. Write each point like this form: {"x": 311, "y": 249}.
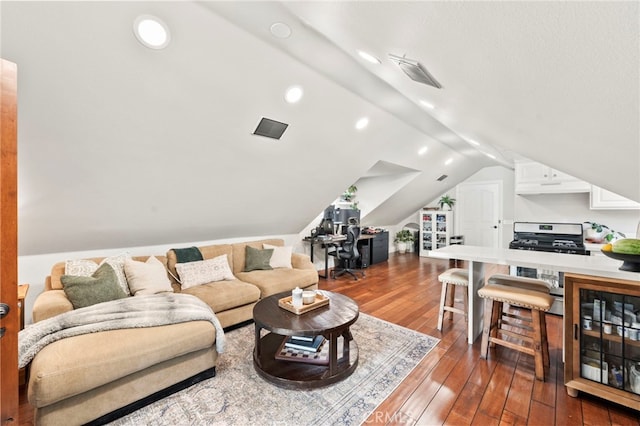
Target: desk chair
{"x": 348, "y": 254}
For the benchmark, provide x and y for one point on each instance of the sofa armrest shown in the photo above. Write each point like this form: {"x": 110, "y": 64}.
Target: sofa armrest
{"x": 301, "y": 261}
{"x": 49, "y": 304}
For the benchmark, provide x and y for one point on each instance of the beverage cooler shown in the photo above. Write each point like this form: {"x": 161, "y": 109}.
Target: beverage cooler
{"x": 610, "y": 339}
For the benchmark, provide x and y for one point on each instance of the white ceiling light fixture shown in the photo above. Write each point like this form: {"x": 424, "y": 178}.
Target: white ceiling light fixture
{"x": 423, "y": 150}
{"x": 415, "y": 70}
{"x": 151, "y": 31}
{"x": 280, "y": 30}
{"x": 362, "y": 123}
{"x": 449, "y": 161}
{"x": 294, "y": 94}
{"x": 369, "y": 57}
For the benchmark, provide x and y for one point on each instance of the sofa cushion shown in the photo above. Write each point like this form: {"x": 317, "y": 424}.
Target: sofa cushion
{"x": 279, "y": 280}
{"x": 52, "y": 282}
{"x": 281, "y": 257}
{"x": 148, "y": 277}
{"x": 204, "y": 271}
{"x": 86, "y": 267}
{"x": 188, "y": 254}
{"x": 224, "y": 295}
{"x": 240, "y": 249}
{"x": 256, "y": 259}
{"x": 208, "y": 252}
{"x": 100, "y": 287}
{"x": 70, "y": 367}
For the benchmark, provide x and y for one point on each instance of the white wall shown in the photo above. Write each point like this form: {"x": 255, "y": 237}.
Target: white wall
{"x": 573, "y": 208}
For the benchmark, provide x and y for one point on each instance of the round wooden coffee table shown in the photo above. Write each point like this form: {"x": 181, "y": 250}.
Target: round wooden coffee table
{"x": 331, "y": 321}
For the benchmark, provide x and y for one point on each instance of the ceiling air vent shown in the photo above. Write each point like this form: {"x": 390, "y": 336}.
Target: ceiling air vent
{"x": 441, "y": 178}
{"x": 415, "y": 70}
{"x": 270, "y": 128}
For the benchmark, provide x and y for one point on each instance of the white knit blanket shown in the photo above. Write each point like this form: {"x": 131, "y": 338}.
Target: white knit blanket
{"x": 131, "y": 312}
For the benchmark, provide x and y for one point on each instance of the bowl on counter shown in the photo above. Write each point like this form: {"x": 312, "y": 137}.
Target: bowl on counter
{"x": 630, "y": 262}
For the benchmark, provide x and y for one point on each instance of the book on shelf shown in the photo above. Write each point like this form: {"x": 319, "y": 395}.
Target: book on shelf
{"x": 319, "y": 357}
{"x": 310, "y": 346}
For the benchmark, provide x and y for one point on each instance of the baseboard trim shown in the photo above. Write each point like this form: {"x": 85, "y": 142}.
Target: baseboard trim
{"x": 130, "y": 408}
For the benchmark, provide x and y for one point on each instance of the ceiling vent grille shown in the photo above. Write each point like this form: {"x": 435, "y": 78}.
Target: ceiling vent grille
{"x": 270, "y": 128}
{"x": 441, "y": 178}
{"x": 416, "y": 71}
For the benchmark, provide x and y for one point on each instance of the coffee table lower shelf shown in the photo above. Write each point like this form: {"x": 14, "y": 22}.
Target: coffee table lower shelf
{"x": 300, "y": 375}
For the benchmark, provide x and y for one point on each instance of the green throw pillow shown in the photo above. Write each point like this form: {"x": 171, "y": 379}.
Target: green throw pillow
{"x": 257, "y": 259}
{"x": 102, "y": 286}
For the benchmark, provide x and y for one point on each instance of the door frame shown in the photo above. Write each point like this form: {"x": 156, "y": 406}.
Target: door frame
{"x": 9, "y": 398}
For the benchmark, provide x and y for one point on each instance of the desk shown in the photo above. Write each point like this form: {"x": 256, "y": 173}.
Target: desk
{"x": 599, "y": 266}
{"x": 334, "y": 240}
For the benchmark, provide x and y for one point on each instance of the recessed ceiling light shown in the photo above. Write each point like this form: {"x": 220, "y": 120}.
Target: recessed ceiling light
{"x": 426, "y": 104}
{"x": 369, "y": 57}
{"x": 280, "y": 30}
{"x": 362, "y": 123}
{"x": 151, "y": 32}
{"x": 294, "y": 94}
{"x": 423, "y": 150}
{"x": 449, "y": 161}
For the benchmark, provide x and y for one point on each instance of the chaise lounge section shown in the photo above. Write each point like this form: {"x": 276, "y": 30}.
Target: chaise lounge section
{"x": 106, "y": 374}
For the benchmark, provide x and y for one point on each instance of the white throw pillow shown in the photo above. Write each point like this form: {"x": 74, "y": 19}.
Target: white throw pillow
{"x": 281, "y": 257}
{"x": 204, "y": 271}
{"x": 117, "y": 263}
{"x": 80, "y": 267}
{"x": 86, "y": 268}
{"x": 148, "y": 277}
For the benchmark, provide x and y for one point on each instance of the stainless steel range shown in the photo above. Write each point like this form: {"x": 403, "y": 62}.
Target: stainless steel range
{"x": 564, "y": 238}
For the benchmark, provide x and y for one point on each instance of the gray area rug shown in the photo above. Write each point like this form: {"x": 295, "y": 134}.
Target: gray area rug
{"x": 238, "y": 396}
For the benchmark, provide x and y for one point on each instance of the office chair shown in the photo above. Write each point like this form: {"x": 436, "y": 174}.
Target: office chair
{"x": 347, "y": 254}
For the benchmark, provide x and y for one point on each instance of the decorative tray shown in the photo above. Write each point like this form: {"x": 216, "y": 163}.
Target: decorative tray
{"x": 285, "y": 303}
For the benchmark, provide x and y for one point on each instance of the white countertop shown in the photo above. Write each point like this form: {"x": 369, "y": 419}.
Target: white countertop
{"x": 600, "y": 266}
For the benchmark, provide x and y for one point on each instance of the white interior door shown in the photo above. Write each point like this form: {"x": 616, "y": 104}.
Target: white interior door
{"x": 479, "y": 209}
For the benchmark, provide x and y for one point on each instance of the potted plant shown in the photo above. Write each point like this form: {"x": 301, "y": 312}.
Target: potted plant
{"x": 350, "y": 193}
{"x": 403, "y": 238}
{"x": 446, "y": 200}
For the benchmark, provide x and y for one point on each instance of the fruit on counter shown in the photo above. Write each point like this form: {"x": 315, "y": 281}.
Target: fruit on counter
{"x": 626, "y": 246}
{"x": 607, "y": 247}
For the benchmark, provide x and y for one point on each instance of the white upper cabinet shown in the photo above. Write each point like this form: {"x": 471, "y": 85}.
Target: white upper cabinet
{"x": 536, "y": 178}
{"x": 601, "y": 199}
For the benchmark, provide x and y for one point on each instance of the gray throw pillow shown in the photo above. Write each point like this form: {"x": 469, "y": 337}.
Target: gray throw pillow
{"x": 256, "y": 259}
{"x": 100, "y": 287}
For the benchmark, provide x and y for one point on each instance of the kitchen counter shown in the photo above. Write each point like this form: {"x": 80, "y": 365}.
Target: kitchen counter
{"x": 599, "y": 266}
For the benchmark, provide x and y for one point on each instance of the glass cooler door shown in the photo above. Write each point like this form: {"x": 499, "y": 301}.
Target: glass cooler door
{"x": 610, "y": 339}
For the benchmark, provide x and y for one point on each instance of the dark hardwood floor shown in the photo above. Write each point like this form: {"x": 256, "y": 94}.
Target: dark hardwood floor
{"x": 452, "y": 385}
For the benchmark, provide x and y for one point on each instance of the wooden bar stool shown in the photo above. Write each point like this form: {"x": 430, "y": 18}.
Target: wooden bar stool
{"x": 531, "y": 284}
{"x": 502, "y": 328}
{"x": 450, "y": 279}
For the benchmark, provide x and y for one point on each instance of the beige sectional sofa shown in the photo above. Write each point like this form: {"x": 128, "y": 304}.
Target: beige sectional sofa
{"x": 107, "y": 374}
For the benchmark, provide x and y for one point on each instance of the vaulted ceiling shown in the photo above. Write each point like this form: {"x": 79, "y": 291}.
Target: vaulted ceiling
{"x": 121, "y": 145}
